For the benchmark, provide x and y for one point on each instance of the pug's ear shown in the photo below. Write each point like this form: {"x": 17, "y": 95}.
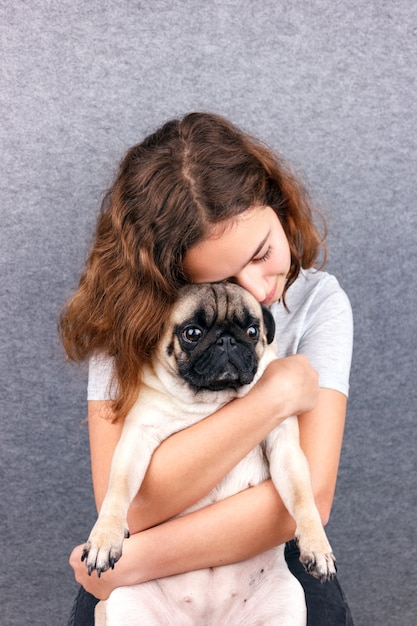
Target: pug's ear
{"x": 269, "y": 324}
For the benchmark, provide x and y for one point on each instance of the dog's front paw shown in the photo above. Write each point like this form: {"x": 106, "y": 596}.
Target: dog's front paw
{"x": 104, "y": 546}
{"x": 316, "y": 556}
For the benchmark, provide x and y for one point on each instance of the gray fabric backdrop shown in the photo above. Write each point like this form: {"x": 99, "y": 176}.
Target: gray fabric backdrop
{"x": 332, "y": 85}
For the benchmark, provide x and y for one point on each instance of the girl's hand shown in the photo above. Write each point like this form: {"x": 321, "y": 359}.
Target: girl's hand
{"x": 101, "y": 587}
{"x": 292, "y": 384}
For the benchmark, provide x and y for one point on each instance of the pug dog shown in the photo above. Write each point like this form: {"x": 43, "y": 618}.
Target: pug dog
{"x": 215, "y": 346}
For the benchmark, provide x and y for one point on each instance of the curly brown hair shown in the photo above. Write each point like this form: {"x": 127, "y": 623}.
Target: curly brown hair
{"x": 170, "y": 190}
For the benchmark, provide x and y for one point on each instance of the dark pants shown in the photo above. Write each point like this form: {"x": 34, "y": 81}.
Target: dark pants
{"x": 326, "y": 603}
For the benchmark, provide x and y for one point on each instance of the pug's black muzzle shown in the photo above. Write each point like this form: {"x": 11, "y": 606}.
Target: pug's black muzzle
{"x": 225, "y": 364}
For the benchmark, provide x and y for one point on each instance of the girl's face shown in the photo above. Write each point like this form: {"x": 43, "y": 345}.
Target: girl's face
{"x": 252, "y": 252}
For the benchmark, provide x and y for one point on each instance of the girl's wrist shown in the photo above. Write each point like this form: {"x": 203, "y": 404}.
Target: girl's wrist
{"x": 267, "y": 400}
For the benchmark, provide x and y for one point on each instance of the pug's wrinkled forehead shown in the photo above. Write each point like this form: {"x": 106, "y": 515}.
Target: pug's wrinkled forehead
{"x": 217, "y": 300}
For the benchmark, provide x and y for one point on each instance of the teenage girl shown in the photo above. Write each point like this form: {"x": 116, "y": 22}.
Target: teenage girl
{"x": 201, "y": 201}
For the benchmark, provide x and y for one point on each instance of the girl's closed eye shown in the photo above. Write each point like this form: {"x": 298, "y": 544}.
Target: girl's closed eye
{"x": 265, "y": 256}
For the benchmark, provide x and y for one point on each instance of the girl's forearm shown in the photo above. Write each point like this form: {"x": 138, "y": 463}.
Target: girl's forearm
{"x": 219, "y": 534}
{"x": 181, "y": 471}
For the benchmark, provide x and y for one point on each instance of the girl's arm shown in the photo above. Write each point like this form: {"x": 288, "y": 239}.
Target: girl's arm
{"x": 190, "y": 463}
{"x": 209, "y": 537}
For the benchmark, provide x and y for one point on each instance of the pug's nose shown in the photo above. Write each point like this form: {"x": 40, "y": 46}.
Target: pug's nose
{"x": 226, "y": 341}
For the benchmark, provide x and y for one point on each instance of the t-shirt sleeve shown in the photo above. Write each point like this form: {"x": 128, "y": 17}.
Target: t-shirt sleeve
{"x": 101, "y": 385}
{"x": 328, "y": 337}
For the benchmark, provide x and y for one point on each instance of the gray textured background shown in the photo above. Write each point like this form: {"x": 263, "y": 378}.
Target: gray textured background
{"x": 332, "y": 85}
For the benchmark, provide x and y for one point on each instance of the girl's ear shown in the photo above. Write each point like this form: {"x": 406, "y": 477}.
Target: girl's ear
{"x": 269, "y": 324}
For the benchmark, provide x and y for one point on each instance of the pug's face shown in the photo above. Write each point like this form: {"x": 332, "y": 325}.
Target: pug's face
{"x": 215, "y": 337}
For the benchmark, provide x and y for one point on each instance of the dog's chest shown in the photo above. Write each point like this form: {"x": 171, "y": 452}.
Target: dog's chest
{"x": 251, "y": 471}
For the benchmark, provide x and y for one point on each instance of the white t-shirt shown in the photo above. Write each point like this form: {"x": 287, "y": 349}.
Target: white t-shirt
{"x": 318, "y": 324}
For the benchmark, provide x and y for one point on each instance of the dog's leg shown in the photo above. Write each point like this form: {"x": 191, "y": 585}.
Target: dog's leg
{"x": 291, "y": 476}
{"x": 129, "y": 464}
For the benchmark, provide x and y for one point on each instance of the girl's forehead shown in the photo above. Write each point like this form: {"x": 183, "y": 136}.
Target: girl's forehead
{"x": 227, "y": 249}
{"x": 238, "y": 222}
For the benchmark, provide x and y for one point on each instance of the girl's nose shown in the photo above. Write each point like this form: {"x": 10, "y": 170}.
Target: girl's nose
{"x": 254, "y": 282}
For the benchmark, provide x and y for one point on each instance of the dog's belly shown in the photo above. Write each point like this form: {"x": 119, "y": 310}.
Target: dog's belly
{"x": 255, "y": 592}
{"x": 250, "y": 593}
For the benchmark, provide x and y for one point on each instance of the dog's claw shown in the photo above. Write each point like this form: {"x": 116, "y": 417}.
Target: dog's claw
{"x": 103, "y": 548}
{"x": 316, "y": 555}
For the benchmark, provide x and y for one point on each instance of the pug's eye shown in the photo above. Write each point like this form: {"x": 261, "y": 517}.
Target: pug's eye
{"x": 252, "y": 332}
{"x": 192, "y": 334}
